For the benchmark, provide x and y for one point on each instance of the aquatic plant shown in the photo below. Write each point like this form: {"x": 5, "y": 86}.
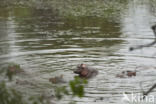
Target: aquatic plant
{"x": 76, "y": 87}
{"x": 9, "y": 95}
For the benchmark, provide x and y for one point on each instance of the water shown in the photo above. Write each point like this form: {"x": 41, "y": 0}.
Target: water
{"x": 46, "y": 44}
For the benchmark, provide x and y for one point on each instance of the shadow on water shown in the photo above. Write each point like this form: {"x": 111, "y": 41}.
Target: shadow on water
{"x": 46, "y": 44}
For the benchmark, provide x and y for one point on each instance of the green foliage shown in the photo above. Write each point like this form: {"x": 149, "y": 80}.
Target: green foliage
{"x": 60, "y": 91}
{"x": 11, "y": 96}
{"x": 76, "y": 88}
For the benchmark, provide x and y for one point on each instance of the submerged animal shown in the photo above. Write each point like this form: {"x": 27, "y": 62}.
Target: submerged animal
{"x": 85, "y": 72}
{"x": 57, "y": 79}
{"x": 14, "y": 69}
{"x": 127, "y": 73}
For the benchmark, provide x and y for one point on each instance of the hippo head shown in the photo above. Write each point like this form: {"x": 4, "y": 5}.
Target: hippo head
{"x": 80, "y": 68}
{"x": 85, "y": 72}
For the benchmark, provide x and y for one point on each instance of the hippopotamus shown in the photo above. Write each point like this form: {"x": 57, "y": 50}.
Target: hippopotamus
{"x": 127, "y": 73}
{"x": 14, "y": 69}
{"x": 57, "y": 79}
{"x": 85, "y": 72}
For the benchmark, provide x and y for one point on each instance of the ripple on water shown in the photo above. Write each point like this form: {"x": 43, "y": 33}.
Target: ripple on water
{"x": 46, "y": 46}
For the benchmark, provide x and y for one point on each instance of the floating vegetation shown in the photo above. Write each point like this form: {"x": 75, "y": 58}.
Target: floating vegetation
{"x": 76, "y": 87}
{"x": 70, "y": 8}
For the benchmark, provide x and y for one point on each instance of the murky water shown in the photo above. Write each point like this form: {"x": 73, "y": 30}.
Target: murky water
{"x": 46, "y": 44}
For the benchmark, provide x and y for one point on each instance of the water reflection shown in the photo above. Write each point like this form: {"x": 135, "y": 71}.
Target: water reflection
{"x": 47, "y": 44}
{"x": 48, "y": 31}
{"x": 138, "y": 19}
{"x": 136, "y": 22}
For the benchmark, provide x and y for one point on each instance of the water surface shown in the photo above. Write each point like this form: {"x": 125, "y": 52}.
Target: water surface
{"x": 46, "y": 44}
